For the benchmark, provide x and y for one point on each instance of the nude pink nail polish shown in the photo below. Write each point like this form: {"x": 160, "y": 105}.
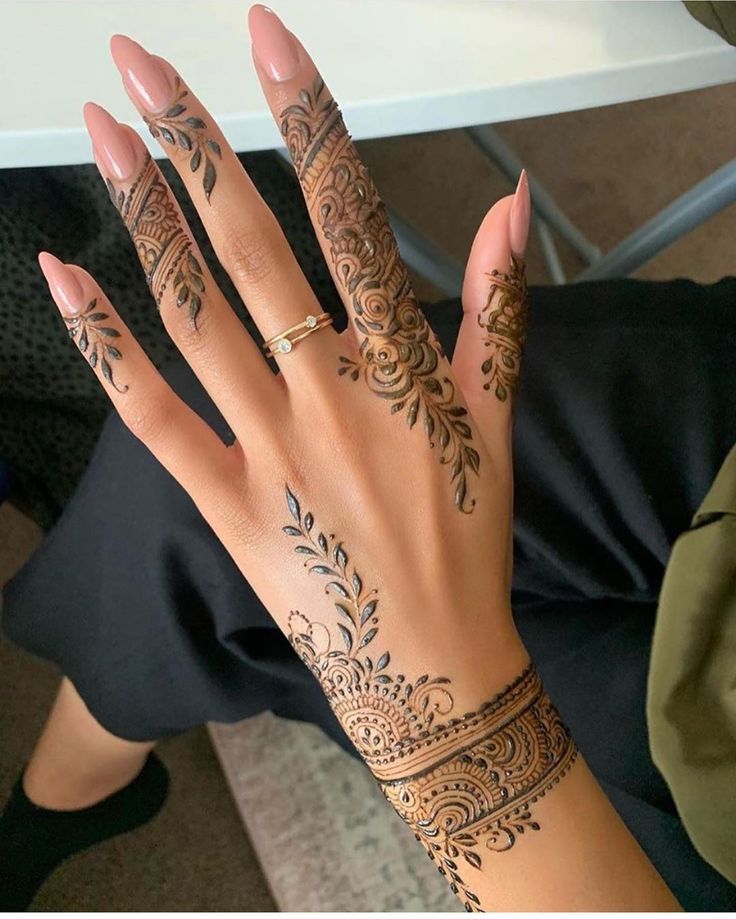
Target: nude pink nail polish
{"x": 142, "y": 74}
{"x": 65, "y": 288}
{"x": 519, "y": 217}
{"x": 273, "y": 45}
{"x": 115, "y": 153}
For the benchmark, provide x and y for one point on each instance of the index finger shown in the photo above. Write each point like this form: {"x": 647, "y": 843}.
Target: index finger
{"x": 399, "y": 356}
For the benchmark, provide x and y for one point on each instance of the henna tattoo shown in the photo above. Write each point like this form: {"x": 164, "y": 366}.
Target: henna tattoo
{"x": 400, "y": 358}
{"x": 164, "y": 248}
{"x": 186, "y": 131}
{"x": 465, "y": 784}
{"x": 468, "y": 786}
{"x": 94, "y": 341}
{"x": 504, "y": 324}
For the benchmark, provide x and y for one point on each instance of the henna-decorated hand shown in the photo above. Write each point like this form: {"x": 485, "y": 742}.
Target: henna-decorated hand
{"x": 368, "y": 494}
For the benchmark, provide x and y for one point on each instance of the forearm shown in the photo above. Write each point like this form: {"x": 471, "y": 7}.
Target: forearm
{"x": 500, "y": 797}
{"x": 466, "y": 745}
{"x": 512, "y": 816}
{"x": 582, "y": 858}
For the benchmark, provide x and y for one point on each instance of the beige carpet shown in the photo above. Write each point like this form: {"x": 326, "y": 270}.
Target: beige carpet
{"x": 611, "y": 169}
{"x": 327, "y": 838}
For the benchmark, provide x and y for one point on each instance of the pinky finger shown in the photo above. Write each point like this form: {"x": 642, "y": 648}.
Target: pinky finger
{"x": 179, "y": 439}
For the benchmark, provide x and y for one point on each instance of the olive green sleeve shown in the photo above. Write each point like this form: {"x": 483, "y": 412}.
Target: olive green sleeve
{"x": 718, "y": 15}
{"x": 691, "y": 704}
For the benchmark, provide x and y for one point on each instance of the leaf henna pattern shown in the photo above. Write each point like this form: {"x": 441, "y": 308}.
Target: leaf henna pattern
{"x": 179, "y": 129}
{"x": 95, "y": 341}
{"x": 465, "y": 783}
{"x": 504, "y": 324}
{"x": 400, "y": 358}
{"x": 164, "y": 248}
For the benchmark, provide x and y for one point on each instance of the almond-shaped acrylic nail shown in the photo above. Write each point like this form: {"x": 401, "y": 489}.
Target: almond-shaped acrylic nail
{"x": 63, "y": 285}
{"x": 143, "y": 75}
{"x": 273, "y": 45}
{"x": 115, "y": 152}
{"x": 519, "y": 217}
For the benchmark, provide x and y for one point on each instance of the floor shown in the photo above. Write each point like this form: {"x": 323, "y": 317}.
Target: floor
{"x": 612, "y": 168}
{"x": 164, "y": 866}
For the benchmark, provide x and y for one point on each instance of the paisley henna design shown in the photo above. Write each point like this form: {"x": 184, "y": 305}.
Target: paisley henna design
{"x": 504, "y": 323}
{"x": 400, "y": 358}
{"x": 164, "y": 249}
{"x": 95, "y": 341}
{"x": 464, "y": 783}
{"x": 186, "y": 131}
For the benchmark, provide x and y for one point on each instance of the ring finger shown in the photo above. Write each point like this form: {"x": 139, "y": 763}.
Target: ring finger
{"x": 244, "y": 233}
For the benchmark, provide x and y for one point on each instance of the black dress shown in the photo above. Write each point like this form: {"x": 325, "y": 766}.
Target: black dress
{"x": 626, "y": 411}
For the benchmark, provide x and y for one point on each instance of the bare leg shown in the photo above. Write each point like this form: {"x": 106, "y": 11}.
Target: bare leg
{"x": 76, "y": 762}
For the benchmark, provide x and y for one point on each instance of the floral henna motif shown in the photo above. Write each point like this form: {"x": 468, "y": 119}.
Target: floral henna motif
{"x": 465, "y": 784}
{"x": 504, "y": 323}
{"x": 467, "y": 787}
{"x": 400, "y": 358}
{"x": 178, "y": 128}
{"x": 163, "y": 247}
{"x": 376, "y": 708}
{"x": 95, "y": 341}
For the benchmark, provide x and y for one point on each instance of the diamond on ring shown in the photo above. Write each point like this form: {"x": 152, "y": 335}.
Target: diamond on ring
{"x": 284, "y": 342}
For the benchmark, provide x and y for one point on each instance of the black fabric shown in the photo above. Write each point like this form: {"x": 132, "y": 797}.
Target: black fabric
{"x": 624, "y": 416}
{"x": 34, "y": 841}
{"x": 51, "y": 407}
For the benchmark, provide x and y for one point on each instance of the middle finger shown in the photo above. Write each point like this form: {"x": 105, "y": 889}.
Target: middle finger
{"x": 399, "y": 356}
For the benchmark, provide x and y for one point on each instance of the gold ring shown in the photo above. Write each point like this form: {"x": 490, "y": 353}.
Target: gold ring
{"x": 285, "y": 341}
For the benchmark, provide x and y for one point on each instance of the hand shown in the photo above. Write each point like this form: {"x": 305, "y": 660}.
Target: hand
{"x": 367, "y": 497}
{"x": 400, "y": 459}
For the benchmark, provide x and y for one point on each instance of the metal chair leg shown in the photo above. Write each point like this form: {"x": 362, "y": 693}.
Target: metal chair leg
{"x": 426, "y": 258}
{"x": 688, "y": 211}
{"x": 549, "y": 251}
{"x": 492, "y": 144}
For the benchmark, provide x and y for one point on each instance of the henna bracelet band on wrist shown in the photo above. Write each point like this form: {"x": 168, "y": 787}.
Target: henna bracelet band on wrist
{"x": 284, "y": 342}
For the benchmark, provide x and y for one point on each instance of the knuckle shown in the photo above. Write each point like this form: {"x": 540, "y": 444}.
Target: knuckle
{"x": 149, "y": 418}
{"x": 249, "y": 253}
{"x": 235, "y": 516}
{"x": 191, "y": 338}
{"x": 338, "y": 418}
{"x": 242, "y": 525}
{"x": 294, "y": 469}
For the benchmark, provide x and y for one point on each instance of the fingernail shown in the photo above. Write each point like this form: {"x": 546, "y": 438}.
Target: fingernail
{"x": 65, "y": 288}
{"x": 273, "y": 45}
{"x": 519, "y": 217}
{"x": 115, "y": 153}
{"x": 142, "y": 73}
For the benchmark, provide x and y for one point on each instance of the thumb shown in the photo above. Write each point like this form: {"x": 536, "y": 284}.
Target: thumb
{"x": 487, "y": 356}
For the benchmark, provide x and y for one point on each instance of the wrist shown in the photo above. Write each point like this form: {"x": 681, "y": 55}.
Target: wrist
{"x": 469, "y": 786}
{"x": 479, "y": 661}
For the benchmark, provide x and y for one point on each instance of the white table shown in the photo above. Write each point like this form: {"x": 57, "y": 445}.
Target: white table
{"x": 396, "y": 67}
